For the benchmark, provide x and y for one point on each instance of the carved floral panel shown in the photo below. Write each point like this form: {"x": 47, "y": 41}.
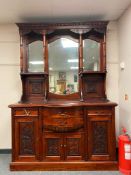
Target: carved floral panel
{"x": 36, "y": 87}
{"x": 27, "y": 138}
{"x": 73, "y": 146}
{"x": 100, "y": 137}
{"x": 53, "y": 145}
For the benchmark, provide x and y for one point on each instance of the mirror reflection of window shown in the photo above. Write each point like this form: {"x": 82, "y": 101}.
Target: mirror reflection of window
{"x": 91, "y": 55}
{"x": 63, "y": 66}
{"x": 35, "y": 55}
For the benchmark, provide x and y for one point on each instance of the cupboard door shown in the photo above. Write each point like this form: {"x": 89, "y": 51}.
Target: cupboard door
{"x": 100, "y": 137}
{"x": 26, "y": 138}
{"x": 74, "y": 146}
{"x": 53, "y": 146}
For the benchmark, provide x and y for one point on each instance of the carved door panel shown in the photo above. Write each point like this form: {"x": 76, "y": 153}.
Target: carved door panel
{"x": 53, "y": 146}
{"x": 99, "y": 135}
{"x": 26, "y": 139}
{"x": 74, "y": 146}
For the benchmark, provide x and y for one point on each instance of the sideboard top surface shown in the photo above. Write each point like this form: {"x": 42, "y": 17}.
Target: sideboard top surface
{"x": 61, "y": 103}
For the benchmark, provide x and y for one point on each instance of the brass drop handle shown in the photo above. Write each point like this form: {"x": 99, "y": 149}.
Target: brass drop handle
{"x": 63, "y": 145}
{"x": 27, "y": 112}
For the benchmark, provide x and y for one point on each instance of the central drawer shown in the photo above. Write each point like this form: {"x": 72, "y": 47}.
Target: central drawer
{"x": 63, "y": 119}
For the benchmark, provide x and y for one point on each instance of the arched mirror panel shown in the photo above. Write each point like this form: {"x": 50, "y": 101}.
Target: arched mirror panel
{"x": 63, "y": 66}
{"x": 91, "y": 55}
{"x": 35, "y": 57}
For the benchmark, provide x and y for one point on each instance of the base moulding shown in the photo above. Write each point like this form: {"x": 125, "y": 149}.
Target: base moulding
{"x": 64, "y": 166}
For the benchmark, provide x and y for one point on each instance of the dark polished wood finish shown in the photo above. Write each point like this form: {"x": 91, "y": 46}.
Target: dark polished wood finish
{"x": 34, "y": 87}
{"x": 93, "y": 85}
{"x": 72, "y": 132}
{"x": 63, "y": 132}
{"x": 68, "y": 166}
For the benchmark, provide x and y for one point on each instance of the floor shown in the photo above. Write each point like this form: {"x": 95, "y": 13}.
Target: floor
{"x": 4, "y": 170}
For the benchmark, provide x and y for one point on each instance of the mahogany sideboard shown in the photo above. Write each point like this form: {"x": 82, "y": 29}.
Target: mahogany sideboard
{"x": 64, "y": 120}
{"x": 63, "y": 136}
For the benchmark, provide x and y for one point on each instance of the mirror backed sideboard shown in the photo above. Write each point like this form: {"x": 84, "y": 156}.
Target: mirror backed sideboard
{"x": 63, "y": 120}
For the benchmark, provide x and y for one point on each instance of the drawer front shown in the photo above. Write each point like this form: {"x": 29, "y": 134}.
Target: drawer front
{"x": 63, "y": 120}
{"x": 63, "y": 112}
{"x": 97, "y": 111}
{"x": 26, "y": 112}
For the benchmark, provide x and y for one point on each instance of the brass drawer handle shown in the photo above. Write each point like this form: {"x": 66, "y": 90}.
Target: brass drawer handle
{"x": 64, "y": 115}
{"x": 27, "y": 113}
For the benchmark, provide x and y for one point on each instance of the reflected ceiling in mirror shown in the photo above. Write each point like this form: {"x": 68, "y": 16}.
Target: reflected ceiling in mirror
{"x": 63, "y": 66}
{"x": 91, "y": 55}
{"x": 36, "y": 61}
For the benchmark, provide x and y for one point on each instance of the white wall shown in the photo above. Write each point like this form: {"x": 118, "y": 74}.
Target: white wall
{"x": 124, "y": 27}
{"x": 10, "y": 89}
{"x": 10, "y": 85}
{"x": 112, "y": 58}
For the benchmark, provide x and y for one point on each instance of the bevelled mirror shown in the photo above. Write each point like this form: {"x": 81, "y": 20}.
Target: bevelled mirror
{"x": 91, "y": 55}
{"x": 63, "y": 66}
{"x": 35, "y": 57}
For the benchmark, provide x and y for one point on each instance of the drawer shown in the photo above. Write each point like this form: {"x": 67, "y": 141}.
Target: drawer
{"x": 26, "y": 112}
{"x": 99, "y": 111}
{"x": 63, "y": 112}
{"x": 63, "y": 120}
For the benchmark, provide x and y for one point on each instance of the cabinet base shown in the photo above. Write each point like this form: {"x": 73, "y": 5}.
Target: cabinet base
{"x": 64, "y": 166}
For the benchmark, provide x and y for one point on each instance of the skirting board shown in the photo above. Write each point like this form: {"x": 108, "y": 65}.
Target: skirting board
{"x": 5, "y": 151}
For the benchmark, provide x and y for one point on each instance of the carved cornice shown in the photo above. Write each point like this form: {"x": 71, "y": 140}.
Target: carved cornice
{"x": 26, "y": 28}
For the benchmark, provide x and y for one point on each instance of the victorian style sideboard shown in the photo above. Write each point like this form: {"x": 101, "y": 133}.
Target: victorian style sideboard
{"x": 64, "y": 120}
